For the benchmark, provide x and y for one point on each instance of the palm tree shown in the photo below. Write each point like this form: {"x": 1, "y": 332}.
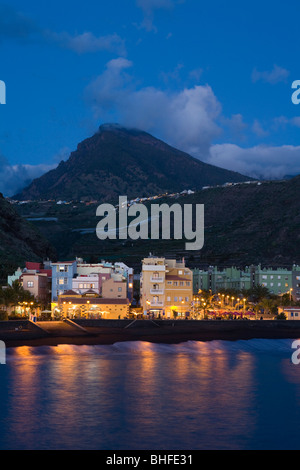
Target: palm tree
{"x": 10, "y": 296}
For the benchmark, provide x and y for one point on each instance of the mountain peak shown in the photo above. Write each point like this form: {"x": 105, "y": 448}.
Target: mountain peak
{"x": 119, "y": 160}
{"x": 112, "y": 127}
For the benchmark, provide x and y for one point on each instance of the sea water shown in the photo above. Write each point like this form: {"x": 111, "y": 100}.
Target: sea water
{"x": 137, "y": 395}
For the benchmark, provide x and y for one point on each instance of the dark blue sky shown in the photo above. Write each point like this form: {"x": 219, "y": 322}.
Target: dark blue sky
{"x": 211, "y": 78}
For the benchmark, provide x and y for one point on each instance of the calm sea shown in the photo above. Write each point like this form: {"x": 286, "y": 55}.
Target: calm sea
{"x": 137, "y": 395}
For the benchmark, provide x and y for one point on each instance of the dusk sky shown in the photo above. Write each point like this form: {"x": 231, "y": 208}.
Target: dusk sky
{"x": 211, "y": 78}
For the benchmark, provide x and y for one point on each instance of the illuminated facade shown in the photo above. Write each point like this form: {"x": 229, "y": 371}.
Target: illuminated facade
{"x": 90, "y": 305}
{"x": 166, "y": 288}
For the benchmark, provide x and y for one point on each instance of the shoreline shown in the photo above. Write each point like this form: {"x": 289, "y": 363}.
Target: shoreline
{"x": 166, "y": 335}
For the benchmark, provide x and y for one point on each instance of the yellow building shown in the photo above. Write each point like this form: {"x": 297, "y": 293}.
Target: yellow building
{"x": 291, "y": 313}
{"x": 166, "y": 288}
{"x": 90, "y": 305}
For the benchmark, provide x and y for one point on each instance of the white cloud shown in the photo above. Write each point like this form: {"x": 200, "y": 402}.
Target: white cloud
{"x": 15, "y": 177}
{"x": 196, "y": 74}
{"x": 260, "y": 161}
{"x": 87, "y": 42}
{"x": 186, "y": 119}
{"x": 276, "y": 75}
{"x": 258, "y": 129}
{"x": 236, "y": 126}
{"x": 189, "y": 119}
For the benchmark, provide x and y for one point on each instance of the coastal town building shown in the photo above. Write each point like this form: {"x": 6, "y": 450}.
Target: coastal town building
{"x": 62, "y": 277}
{"x": 80, "y": 276}
{"x": 278, "y": 281}
{"x": 114, "y": 288}
{"x": 36, "y": 279}
{"x": 214, "y": 279}
{"x": 14, "y": 277}
{"x": 296, "y": 284}
{"x": 90, "y": 305}
{"x": 291, "y": 313}
{"x": 166, "y": 288}
{"x": 37, "y": 284}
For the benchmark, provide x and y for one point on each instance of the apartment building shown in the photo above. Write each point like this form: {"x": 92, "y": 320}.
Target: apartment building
{"x": 80, "y": 276}
{"x": 63, "y": 273}
{"x": 215, "y": 279}
{"x": 296, "y": 283}
{"x": 83, "y": 283}
{"x": 36, "y": 279}
{"x": 278, "y": 281}
{"x": 114, "y": 288}
{"x": 37, "y": 284}
{"x": 166, "y": 288}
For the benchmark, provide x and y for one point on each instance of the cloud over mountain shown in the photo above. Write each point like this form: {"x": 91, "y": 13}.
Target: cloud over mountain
{"x": 260, "y": 161}
{"x": 14, "y": 177}
{"x": 187, "y": 118}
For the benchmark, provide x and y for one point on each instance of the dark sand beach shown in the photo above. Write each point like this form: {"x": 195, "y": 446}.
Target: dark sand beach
{"x": 158, "y": 332}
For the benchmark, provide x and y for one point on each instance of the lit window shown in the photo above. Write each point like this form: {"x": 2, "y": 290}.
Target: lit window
{"x": 30, "y": 284}
{"x": 62, "y": 269}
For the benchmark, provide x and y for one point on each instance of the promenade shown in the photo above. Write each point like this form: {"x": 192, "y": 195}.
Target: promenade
{"x": 93, "y": 332}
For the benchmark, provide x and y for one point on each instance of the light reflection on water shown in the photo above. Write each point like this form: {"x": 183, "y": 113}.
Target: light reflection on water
{"x": 216, "y": 395}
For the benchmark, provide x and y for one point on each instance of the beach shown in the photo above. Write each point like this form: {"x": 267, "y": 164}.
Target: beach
{"x": 107, "y": 332}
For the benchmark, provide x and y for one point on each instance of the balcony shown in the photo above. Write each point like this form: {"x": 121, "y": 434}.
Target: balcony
{"x": 157, "y": 291}
{"x": 157, "y": 304}
{"x": 157, "y": 279}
